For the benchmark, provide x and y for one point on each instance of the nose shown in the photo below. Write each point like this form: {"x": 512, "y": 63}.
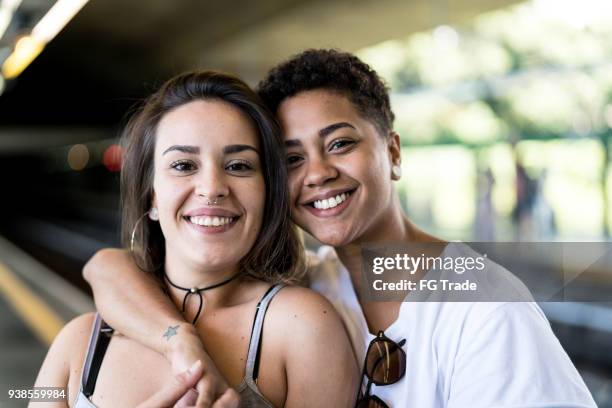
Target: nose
{"x": 319, "y": 171}
{"x": 211, "y": 184}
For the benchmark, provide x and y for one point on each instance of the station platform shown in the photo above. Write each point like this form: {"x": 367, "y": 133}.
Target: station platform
{"x": 35, "y": 303}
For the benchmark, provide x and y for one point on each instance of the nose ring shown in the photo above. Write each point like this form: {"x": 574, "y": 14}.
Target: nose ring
{"x": 210, "y": 202}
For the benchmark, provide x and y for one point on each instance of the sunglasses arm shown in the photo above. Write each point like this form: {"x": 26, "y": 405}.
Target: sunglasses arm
{"x": 360, "y": 394}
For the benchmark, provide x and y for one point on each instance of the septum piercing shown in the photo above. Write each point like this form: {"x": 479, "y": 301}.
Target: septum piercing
{"x": 209, "y": 202}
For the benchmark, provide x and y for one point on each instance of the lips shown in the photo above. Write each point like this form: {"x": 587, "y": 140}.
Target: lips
{"x": 210, "y": 225}
{"x": 211, "y": 212}
{"x": 208, "y": 221}
{"x": 211, "y": 218}
{"x": 330, "y": 204}
{"x": 329, "y": 199}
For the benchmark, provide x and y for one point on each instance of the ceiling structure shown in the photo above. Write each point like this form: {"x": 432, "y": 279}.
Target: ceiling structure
{"x": 115, "y": 51}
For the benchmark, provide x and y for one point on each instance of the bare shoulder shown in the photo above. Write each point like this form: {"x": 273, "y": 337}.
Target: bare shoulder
{"x": 63, "y": 362}
{"x": 74, "y": 337}
{"x": 312, "y": 340}
{"x": 304, "y": 310}
{"x": 81, "y": 324}
{"x": 72, "y": 341}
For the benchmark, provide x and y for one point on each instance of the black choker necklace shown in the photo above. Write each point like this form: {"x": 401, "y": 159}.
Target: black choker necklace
{"x": 198, "y": 291}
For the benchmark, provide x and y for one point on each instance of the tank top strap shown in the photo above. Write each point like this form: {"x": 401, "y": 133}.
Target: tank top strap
{"x": 98, "y": 342}
{"x": 252, "y": 364}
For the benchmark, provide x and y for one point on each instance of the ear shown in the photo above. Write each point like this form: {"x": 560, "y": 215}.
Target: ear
{"x": 395, "y": 154}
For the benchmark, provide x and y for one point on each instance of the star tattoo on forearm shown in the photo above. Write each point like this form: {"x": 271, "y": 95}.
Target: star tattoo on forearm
{"x": 171, "y": 331}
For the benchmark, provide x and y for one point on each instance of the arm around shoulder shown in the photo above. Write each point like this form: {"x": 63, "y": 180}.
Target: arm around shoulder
{"x": 320, "y": 363}
{"x": 135, "y": 304}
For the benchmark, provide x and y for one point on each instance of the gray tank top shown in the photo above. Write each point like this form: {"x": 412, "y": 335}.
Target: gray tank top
{"x": 250, "y": 396}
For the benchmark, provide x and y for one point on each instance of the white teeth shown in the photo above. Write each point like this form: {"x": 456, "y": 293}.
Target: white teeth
{"x": 210, "y": 221}
{"x": 331, "y": 202}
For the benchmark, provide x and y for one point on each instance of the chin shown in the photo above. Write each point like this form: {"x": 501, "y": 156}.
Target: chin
{"x": 217, "y": 264}
{"x": 214, "y": 257}
{"x": 332, "y": 238}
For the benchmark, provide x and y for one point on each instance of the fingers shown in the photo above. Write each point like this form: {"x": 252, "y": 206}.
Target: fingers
{"x": 187, "y": 400}
{"x": 206, "y": 391}
{"x": 180, "y": 385}
{"x": 229, "y": 399}
{"x": 211, "y": 390}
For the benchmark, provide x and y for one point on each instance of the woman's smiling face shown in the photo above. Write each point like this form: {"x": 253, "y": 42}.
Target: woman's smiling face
{"x": 208, "y": 184}
{"x": 339, "y": 167}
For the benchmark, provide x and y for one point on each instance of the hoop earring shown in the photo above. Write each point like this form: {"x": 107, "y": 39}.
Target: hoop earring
{"x": 396, "y": 171}
{"x": 133, "y": 235}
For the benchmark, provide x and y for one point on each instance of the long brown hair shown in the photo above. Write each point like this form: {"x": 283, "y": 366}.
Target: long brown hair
{"x": 277, "y": 254}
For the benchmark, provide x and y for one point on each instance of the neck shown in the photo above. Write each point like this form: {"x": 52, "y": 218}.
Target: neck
{"x": 392, "y": 227}
{"x": 198, "y": 276}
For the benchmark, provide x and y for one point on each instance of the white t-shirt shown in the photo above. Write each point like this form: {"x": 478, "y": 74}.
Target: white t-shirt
{"x": 463, "y": 354}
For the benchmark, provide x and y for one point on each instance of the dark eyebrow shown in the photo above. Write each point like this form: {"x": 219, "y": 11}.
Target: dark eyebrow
{"x": 292, "y": 143}
{"x": 237, "y": 148}
{"x": 195, "y": 150}
{"x": 332, "y": 128}
{"x": 322, "y": 133}
{"x": 183, "y": 148}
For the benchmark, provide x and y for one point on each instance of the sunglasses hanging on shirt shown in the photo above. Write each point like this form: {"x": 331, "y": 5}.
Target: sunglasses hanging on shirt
{"x": 385, "y": 364}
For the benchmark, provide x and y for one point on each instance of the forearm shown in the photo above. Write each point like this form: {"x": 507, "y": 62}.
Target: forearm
{"x": 133, "y": 303}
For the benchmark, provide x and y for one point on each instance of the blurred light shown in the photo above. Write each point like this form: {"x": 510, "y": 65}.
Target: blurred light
{"x": 29, "y": 47}
{"x": 78, "y": 156}
{"x": 575, "y": 13}
{"x": 581, "y": 124}
{"x": 1, "y": 84}
{"x": 608, "y": 115}
{"x": 56, "y": 18}
{"x": 446, "y": 36}
{"x": 112, "y": 158}
{"x": 7, "y": 9}
{"x": 26, "y": 49}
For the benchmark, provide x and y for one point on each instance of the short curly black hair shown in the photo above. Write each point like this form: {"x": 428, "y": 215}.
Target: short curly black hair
{"x": 334, "y": 70}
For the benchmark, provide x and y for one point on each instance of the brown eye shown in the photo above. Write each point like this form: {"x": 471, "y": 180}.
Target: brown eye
{"x": 293, "y": 159}
{"x": 183, "y": 166}
{"x": 339, "y": 144}
{"x": 239, "y": 167}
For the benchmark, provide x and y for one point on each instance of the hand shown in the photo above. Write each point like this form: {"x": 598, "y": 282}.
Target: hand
{"x": 213, "y": 391}
{"x": 179, "y": 392}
